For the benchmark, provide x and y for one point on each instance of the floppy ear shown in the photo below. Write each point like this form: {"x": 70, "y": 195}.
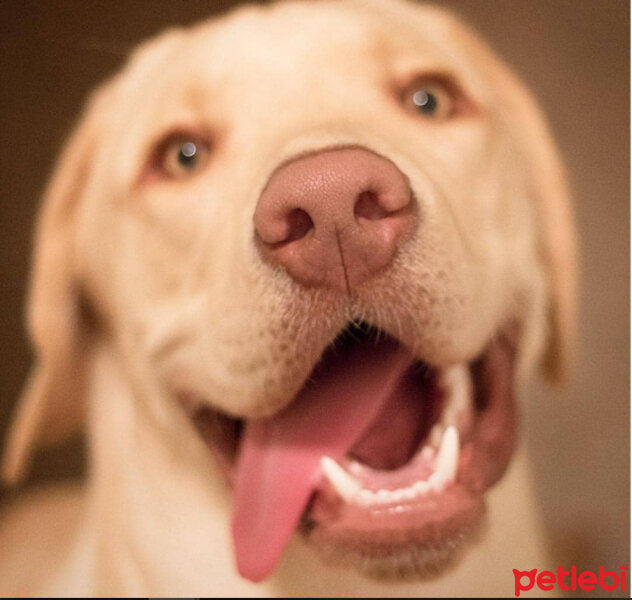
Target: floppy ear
{"x": 51, "y": 407}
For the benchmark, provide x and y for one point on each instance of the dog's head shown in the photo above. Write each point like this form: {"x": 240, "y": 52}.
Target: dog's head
{"x": 336, "y": 235}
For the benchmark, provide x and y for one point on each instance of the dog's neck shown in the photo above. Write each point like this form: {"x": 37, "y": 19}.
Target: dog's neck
{"x": 159, "y": 512}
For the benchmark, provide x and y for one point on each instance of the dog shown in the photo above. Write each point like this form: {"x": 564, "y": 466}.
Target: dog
{"x": 290, "y": 276}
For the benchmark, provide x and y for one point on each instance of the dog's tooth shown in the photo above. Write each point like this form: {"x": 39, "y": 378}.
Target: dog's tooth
{"x": 396, "y": 495}
{"x": 448, "y": 454}
{"x": 346, "y": 486}
{"x": 388, "y": 496}
{"x": 384, "y": 496}
{"x": 408, "y": 493}
{"x": 421, "y": 487}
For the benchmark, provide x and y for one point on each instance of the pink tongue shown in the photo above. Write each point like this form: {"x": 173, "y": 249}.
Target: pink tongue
{"x": 279, "y": 461}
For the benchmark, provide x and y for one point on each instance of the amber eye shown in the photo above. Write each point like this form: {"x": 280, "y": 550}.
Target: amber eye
{"x": 182, "y": 155}
{"x": 430, "y": 98}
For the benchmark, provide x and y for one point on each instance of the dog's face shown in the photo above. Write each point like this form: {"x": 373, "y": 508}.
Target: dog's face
{"x": 247, "y": 192}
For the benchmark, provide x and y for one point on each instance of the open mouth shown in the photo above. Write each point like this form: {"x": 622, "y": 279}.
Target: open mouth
{"x": 381, "y": 460}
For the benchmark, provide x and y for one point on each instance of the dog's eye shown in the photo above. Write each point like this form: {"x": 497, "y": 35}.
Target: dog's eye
{"x": 181, "y": 156}
{"x": 430, "y": 98}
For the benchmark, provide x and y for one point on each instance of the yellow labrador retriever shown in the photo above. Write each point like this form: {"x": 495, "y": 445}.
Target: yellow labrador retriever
{"x": 290, "y": 275}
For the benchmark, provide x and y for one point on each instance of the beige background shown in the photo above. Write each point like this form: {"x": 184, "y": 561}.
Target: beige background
{"x": 575, "y": 56}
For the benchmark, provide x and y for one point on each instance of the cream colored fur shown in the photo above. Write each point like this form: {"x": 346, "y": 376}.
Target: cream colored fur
{"x": 169, "y": 274}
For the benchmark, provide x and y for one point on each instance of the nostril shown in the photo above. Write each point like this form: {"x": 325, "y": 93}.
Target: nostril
{"x": 334, "y": 218}
{"x": 298, "y": 224}
{"x": 368, "y": 207}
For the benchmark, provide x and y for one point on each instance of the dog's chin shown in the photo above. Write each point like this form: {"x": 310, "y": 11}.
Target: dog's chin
{"x": 406, "y": 495}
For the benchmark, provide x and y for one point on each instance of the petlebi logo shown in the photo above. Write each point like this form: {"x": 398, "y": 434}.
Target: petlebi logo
{"x": 570, "y": 580}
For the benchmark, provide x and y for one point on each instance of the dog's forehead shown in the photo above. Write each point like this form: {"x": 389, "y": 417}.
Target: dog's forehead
{"x": 281, "y": 42}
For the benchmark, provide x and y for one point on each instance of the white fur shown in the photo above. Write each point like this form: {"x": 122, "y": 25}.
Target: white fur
{"x": 181, "y": 296}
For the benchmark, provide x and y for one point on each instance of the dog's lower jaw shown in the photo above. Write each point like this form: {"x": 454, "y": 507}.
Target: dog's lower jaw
{"x": 404, "y": 499}
{"x": 158, "y": 517}
{"x": 405, "y": 559}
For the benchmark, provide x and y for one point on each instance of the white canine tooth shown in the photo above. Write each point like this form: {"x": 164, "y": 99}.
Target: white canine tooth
{"x": 421, "y": 487}
{"x": 448, "y": 454}
{"x": 408, "y": 493}
{"x": 346, "y": 486}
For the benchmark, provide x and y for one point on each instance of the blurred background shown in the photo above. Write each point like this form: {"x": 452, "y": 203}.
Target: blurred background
{"x": 574, "y": 54}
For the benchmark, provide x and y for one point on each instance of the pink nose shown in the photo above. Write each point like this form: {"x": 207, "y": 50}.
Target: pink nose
{"x": 335, "y": 218}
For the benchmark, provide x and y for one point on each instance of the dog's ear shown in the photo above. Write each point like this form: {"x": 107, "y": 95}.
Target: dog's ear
{"x": 51, "y": 407}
